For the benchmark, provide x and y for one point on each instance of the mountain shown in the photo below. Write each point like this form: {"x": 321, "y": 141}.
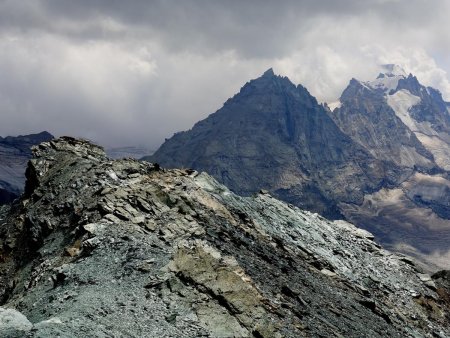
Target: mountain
{"x": 379, "y": 159}
{"x": 105, "y": 248}
{"x": 397, "y": 119}
{"x": 274, "y": 135}
{"x": 14, "y": 155}
{"x": 371, "y": 120}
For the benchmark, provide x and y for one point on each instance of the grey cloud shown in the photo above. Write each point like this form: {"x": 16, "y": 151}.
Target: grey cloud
{"x": 134, "y": 72}
{"x": 253, "y": 28}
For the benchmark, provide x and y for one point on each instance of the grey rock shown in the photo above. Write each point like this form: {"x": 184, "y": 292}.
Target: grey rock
{"x": 239, "y": 266}
{"x": 13, "y": 323}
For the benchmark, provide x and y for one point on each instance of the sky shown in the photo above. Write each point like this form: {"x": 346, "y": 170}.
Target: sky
{"x": 124, "y": 73}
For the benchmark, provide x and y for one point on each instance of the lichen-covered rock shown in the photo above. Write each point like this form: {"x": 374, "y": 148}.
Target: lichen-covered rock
{"x": 126, "y": 249}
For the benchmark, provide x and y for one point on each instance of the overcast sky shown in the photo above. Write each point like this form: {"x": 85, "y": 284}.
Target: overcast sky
{"x": 134, "y": 72}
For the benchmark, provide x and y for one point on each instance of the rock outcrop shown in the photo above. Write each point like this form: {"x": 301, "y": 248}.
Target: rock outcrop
{"x": 103, "y": 248}
{"x": 14, "y": 155}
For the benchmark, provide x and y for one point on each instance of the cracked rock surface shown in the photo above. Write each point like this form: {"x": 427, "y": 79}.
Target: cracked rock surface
{"x": 102, "y": 248}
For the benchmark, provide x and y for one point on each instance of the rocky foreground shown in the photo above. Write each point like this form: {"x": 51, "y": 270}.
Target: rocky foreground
{"x": 102, "y": 248}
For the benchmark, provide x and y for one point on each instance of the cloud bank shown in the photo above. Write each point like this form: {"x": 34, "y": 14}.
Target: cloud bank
{"x": 134, "y": 72}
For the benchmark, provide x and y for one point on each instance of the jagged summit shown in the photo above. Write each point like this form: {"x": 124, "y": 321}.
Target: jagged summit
{"x": 124, "y": 248}
{"x": 268, "y": 73}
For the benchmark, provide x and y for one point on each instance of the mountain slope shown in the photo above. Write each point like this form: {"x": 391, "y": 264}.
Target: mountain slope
{"x": 14, "y": 155}
{"x": 274, "y": 135}
{"x": 122, "y": 248}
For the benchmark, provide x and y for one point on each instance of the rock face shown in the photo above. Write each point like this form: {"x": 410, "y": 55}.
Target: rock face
{"x": 274, "y": 135}
{"x": 14, "y": 155}
{"x": 122, "y": 248}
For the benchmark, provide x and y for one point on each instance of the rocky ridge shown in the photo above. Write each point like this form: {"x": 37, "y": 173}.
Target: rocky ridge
{"x": 102, "y": 248}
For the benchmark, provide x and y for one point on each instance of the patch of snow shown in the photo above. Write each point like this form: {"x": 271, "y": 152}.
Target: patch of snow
{"x": 334, "y": 105}
{"x": 386, "y": 83}
{"x": 401, "y": 102}
{"x": 436, "y": 143}
{"x": 439, "y": 149}
{"x": 364, "y": 84}
{"x": 388, "y": 78}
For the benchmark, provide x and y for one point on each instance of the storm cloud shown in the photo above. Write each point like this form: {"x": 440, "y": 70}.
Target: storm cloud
{"x": 135, "y": 72}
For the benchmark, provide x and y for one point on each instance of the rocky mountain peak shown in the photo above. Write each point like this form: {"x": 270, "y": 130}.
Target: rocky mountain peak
{"x": 268, "y": 73}
{"x": 400, "y": 121}
{"x": 279, "y": 131}
{"x": 411, "y": 83}
{"x": 125, "y": 248}
{"x": 271, "y": 84}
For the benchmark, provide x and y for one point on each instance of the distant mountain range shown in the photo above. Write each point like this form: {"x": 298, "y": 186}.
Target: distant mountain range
{"x": 14, "y": 155}
{"x": 380, "y": 158}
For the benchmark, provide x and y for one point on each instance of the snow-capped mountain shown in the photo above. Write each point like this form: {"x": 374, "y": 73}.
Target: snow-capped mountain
{"x": 376, "y": 114}
{"x": 388, "y": 79}
{"x": 396, "y": 101}
{"x": 399, "y": 120}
